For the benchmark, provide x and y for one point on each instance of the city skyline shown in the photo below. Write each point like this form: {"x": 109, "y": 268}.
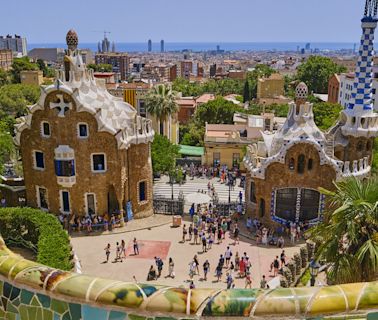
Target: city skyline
{"x": 210, "y": 21}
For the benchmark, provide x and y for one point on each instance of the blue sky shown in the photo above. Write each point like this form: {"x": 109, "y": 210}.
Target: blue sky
{"x": 43, "y": 21}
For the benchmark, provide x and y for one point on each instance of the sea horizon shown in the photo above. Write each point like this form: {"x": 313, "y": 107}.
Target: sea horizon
{"x": 210, "y": 46}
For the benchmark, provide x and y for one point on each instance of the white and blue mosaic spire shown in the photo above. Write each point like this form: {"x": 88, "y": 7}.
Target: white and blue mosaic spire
{"x": 362, "y": 88}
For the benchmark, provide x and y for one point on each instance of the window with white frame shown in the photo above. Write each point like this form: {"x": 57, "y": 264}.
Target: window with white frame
{"x": 82, "y": 130}
{"x": 45, "y": 129}
{"x": 98, "y": 162}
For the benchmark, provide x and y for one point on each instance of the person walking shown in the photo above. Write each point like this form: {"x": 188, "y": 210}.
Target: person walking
{"x": 196, "y": 262}
{"x": 248, "y": 281}
{"x": 218, "y": 272}
{"x": 263, "y": 282}
{"x": 283, "y": 258}
{"x": 171, "y": 265}
{"x": 237, "y": 261}
{"x": 118, "y": 252}
{"x": 192, "y": 269}
{"x": 107, "y": 252}
{"x": 236, "y": 234}
{"x": 229, "y": 280}
{"x": 195, "y": 233}
{"x": 136, "y": 247}
{"x": 190, "y": 232}
{"x": 123, "y": 248}
{"x": 206, "y": 269}
{"x": 228, "y": 255}
{"x": 204, "y": 242}
{"x": 159, "y": 264}
{"x": 276, "y": 266}
{"x": 184, "y": 232}
{"x": 240, "y": 197}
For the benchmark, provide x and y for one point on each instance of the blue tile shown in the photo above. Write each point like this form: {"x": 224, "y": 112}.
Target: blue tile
{"x": 90, "y": 313}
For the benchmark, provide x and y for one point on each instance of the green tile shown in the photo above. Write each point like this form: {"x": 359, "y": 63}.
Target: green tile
{"x": 16, "y": 302}
{"x": 56, "y": 316}
{"x": 115, "y": 315}
{"x": 75, "y": 310}
{"x": 135, "y": 317}
{"x": 10, "y": 316}
{"x": 47, "y": 314}
{"x": 59, "y": 306}
{"x": 67, "y": 316}
{"x": 12, "y": 308}
{"x": 44, "y": 300}
{"x": 39, "y": 313}
{"x": 23, "y": 310}
{"x": 32, "y": 312}
{"x": 372, "y": 316}
{"x": 35, "y": 302}
{"x": 26, "y": 296}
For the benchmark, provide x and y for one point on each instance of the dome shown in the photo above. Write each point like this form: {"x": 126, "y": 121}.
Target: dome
{"x": 301, "y": 91}
{"x": 72, "y": 39}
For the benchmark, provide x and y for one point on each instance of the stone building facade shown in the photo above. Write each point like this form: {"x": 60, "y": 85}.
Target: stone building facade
{"x": 286, "y": 170}
{"x": 85, "y": 151}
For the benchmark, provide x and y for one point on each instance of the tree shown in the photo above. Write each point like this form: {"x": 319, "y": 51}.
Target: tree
{"x": 348, "y": 234}
{"x": 316, "y": 71}
{"x": 216, "y": 111}
{"x": 164, "y": 154}
{"x": 21, "y": 64}
{"x": 192, "y": 135}
{"x": 47, "y": 72}
{"x": 6, "y": 144}
{"x": 14, "y": 99}
{"x": 260, "y": 71}
{"x": 246, "y": 92}
{"x": 326, "y": 114}
{"x": 102, "y": 67}
{"x": 161, "y": 102}
{"x": 4, "y": 77}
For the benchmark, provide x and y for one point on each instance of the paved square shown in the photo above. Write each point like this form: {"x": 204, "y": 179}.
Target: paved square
{"x": 148, "y": 249}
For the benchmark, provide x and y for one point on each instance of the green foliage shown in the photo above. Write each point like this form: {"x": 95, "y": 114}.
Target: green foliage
{"x": 246, "y": 92}
{"x": 316, "y": 71}
{"x": 47, "y": 72}
{"x": 192, "y": 135}
{"x": 6, "y": 144}
{"x": 14, "y": 99}
{"x": 374, "y": 168}
{"x": 161, "y": 101}
{"x": 305, "y": 278}
{"x": 348, "y": 234}
{"x": 164, "y": 154}
{"x": 21, "y": 64}
{"x": 260, "y": 71}
{"x": 279, "y": 110}
{"x": 326, "y": 114}
{"x": 216, "y": 111}
{"x": 4, "y": 77}
{"x": 102, "y": 67}
{"x": 42, "y": 230}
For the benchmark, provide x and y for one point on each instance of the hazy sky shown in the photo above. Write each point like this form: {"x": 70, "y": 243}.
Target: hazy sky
{"x": 44, "y": 21}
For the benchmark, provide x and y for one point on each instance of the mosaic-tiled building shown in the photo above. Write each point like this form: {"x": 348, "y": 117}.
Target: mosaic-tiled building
{"x": 286, "y": 170}
{"x": 83, "y": 150}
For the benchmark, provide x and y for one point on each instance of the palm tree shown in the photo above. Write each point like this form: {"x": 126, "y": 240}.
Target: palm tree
{"x": 161, "y": 103}
{"x": 348, "y": 236}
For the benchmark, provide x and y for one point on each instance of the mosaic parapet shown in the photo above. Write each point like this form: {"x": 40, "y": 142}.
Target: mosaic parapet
{"x": 29, "y": 289}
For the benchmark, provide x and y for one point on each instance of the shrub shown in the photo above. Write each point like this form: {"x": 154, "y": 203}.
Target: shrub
{"x": 42, "y": 230}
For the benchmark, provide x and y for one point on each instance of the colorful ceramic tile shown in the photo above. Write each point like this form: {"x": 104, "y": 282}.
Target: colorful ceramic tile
{"x": 91, "y": 313}
{"x": 169, "y": 300}
{"x": 116, "y": 315}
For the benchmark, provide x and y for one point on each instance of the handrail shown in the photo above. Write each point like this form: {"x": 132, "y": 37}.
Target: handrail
{"x": 150, "y": 299}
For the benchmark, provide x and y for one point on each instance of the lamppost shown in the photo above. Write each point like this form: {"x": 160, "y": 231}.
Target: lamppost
{"x": 314, "y": 270}
{"x": 171, "y": 181}
{"x": 229, "y": 192}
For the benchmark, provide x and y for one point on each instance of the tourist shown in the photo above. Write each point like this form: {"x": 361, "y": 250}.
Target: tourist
{"x": 191, "y": 210}
{"x": 263, "y": 283}
{"x": 248, "y": 265}
{"x": 204, "y": 242}
{"x": 264, "y": 236}
{"x": 249, "y": 224}
{"x": 159, "y": 264}
{"x": 192, "y": 286}
{"x": 195, "y": 233}
{"x": 118, "y": 252}
{"x": 276, "y": 265}
{"x": 184, "y": 232}
{"x": 192, "y": 269}
{"x": 224, "y": 229}
{"x": 107, "y": 252}
{"x": 237, "y": 261}
{"x": 195, "y": 259}
{"x": 236, "y": 234}
{"x": 151, "y": 274}
{"x": 171, "y": 266}
{"x": 123, "y": 248}
{"x": 218, "y": 272}
{"x": 248, "y": 281}
{"x": 242, "y": 268}
{"x": 283, "y": 258}
{"x": 190, "y": 232}
{"x": 210, "y": 240}
{"x": 232, "y": 268}
{"x": 229, "y": 280}
{"x": 240, "y": 197}
{"x": 206, "y": 268}
{"x": 228, "y": 255}
{"x": 221, "y": 260}
{"x": 136, "y": 247}
{"x": 219, "y": 235}
{"x": 281, "y": 242}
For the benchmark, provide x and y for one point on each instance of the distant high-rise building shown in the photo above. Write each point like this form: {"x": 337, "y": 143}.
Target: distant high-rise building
{"x": 162, "y": 46}
{"x": 113, "y": 47}
{"x": 104, "y": 46}
{"x": 308, "y": 46}
{"x": 149, "y": 45}
{"x": 213, "y": 70}
{"x": 119, "y": 61}
{"x": 16, "y": 44}
{"x": 218, "y": 48}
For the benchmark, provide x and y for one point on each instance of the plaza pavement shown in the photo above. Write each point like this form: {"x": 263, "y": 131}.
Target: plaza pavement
{"x": 90, "y": 250}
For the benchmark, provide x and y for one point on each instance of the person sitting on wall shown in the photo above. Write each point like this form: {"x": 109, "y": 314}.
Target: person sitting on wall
{"x": 151, "y": 274}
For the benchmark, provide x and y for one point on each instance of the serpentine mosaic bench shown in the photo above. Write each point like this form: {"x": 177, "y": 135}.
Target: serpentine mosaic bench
{"x": 29, "y": 291}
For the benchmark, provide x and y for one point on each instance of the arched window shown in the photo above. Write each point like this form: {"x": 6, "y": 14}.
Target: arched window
{"x": 262, "y": 207}
{"x": 301, "y": 163}
{"x": 309, "y": 164}
{"x": 292, "y": 164}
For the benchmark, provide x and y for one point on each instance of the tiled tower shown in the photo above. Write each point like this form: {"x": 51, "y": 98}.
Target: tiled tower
{"x": 360, "y": 119}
